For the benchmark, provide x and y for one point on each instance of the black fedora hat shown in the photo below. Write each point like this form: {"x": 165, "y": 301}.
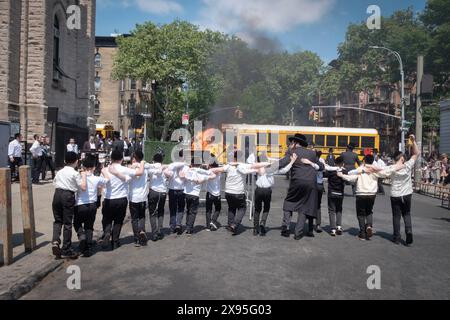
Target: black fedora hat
{"x": 351, "y": 146}
{"x": 299, "y": 138}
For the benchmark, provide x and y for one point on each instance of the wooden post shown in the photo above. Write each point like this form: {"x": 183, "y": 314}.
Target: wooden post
{"x": 26, "y": 195}
{"x": 6, "y": 215}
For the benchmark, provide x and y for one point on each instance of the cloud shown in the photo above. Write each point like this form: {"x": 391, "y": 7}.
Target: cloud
{"x": 161, "y": 7}
{"x": 262, "y": 15}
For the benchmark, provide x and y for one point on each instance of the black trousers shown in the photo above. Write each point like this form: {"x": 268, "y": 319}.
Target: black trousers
{"x": 84, "y": 220}
{"x": 211, "y": 201}
{"x": 192, "y": 203}
{"x": 301, "y": 220}
{"x": 47, "y": 162}
{"x": 176, "y": 205}
{"x": 63, "y": 206}
{"x": 237, "y": 205}
{"x": 156, "y": 203}
{"x": 364, "y": 211}
{"x": 320, "y": 189}
{"x": 380, "y": 186}
{"x": 36, "y": 169}
{"x": 401, "y": 207}
{"x": 335, "y": 211}
{"x": 12, "y": 165}
{"x": 263, "y": 196}
{"x": 137, "y": 212}
{"x": 114, "y": 212}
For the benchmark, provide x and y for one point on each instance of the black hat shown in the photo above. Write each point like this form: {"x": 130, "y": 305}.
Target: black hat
{"x": 351, "y": 146}
{"x": 299, "y": 138}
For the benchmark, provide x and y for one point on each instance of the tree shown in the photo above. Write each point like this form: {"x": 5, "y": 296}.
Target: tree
{"x": 171, "y": 54}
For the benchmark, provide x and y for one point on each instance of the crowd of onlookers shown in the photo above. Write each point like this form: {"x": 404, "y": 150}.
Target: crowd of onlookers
{"x": 436, "y": 169}
{"x": 42, "y": 155}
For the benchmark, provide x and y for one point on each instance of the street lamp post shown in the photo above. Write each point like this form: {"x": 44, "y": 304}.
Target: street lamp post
{"x": 402, "y": 73}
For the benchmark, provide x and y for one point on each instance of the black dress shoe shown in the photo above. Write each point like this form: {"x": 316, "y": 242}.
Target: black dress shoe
{"x": 396, "y": 240}
{"x": 160, "y": 236}
{"x": 298, "y": 236}
{"x": 179, "y": 231}
{"x": 310, "y": 234}
{"x": 263, "y": 231}
{"x": 155, "y": 238}
{"x": 409, "y": 239}
{"x": 285, "y": 233}
{"x": 256, "y": 231}
{"x": 72, "y": 255}
{"x": 319, "y": 229}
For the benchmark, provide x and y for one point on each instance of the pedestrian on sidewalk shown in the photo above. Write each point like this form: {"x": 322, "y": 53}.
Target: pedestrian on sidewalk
{"x": 67, "y": 182}
{"x": 15, "y": 156}
{"x": 37, "y": 158}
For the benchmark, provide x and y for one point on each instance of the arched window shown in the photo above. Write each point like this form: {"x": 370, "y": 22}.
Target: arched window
{"x": 97, "y": 108}
{"x": 56, "y": 49}
{"x": 97, "y": 83}
{"x": 98, "y": 60}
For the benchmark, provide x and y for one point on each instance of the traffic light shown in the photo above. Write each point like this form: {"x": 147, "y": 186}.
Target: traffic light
{"x": 316, "y": 116}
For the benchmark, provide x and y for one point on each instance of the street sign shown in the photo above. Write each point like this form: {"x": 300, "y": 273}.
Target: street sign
{"x": 185, "y": 120}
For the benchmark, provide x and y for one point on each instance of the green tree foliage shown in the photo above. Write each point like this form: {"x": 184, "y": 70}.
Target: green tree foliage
{"x": 171, "y": 54}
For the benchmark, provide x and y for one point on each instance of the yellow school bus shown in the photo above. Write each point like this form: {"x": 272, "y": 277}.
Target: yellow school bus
{"x": 106, "y": 130}
{"x": 275, "y": 139}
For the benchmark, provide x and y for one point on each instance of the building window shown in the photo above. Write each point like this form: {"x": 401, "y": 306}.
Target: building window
{"x": 122, "y": 85}
{"x": 98, "y": 60}
{"x": 97, "y": 83}
{"x": 132, "y": 84}
{"x": 97, "y": 108}
{"x": 56, "y": 49}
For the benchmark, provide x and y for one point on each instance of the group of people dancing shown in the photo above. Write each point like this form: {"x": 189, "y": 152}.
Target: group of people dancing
{"x": 144, "y": 187}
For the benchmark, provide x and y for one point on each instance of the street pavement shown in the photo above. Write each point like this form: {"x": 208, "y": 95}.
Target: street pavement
{"x": 216, "y": 265}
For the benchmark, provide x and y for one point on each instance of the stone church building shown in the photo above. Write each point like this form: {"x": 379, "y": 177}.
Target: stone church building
{"x": 47, "y": 50}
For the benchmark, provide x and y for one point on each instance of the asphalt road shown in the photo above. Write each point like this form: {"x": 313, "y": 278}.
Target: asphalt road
{"x": 216, "y": 265}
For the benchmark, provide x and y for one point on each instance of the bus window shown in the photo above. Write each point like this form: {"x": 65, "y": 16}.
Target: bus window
{"x": 343, "y": 141}
{"x": 355, "y": 141}
{"x": 273, "y": 141}
{"x": 367, "y": 142}
{"x": 261, "y": 139}
{"x": 331, "y": 141}
{"x": 320, "y": 140}
{"x": 309, "y": 138}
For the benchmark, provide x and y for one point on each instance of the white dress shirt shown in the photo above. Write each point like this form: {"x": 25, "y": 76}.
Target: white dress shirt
{"x": 68, "y": 179}
{"x": 267, "y": 178}
{"x": 175, "y": 182}
{"x": 401, "y": 181}
{"x": 36, "y": 149}
{"x": 213, "y": 186}
{"x": 91, "y": 193}
{"x": 235, "y": 181}
{"x": 72, "y": 148}
{"x": 116, "y": 188}
{"x": 194, "y": 179}
{"x": 15, "y": 149}
{"x": 158, "y": 180}
{"x": 139, "y": 188}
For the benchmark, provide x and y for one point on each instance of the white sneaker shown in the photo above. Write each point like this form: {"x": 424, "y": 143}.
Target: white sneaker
{"x": 213, "y": 226}
{"x": 333, "y": 233}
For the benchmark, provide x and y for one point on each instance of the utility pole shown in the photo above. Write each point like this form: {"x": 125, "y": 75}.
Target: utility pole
{"x": 419, "y": 137}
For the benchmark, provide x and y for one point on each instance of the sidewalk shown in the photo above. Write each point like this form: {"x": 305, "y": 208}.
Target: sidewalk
{"x": 29, "y": 268}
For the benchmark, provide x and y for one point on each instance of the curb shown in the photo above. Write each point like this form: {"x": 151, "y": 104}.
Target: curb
{"x": 26, "y": 284}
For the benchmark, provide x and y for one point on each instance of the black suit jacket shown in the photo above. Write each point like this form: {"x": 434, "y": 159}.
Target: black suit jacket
{"x": 299, "y": 170}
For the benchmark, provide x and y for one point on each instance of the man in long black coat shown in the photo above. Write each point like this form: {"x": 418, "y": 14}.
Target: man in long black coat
{"x": 302, "y": 193}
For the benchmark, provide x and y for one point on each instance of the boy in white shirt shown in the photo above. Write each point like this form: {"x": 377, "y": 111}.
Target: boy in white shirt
{"x": 86, "y": 207}
{"x": 194, "y": 178}
{"x": 157, "y": 198}
{"x": 176, "y": 191}
{"x": 263, "y": 193}
{"x": 67, "y": 182}
{"x": 235, "y": 189}
{"x": 116, "y": 199}
{"x": 213, "y": 198}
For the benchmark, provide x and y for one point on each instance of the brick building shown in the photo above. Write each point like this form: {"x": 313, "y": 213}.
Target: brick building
{"x": 384, "y": 98}
{"x": 117, "y": 102}
{"x": 46, "y": 61}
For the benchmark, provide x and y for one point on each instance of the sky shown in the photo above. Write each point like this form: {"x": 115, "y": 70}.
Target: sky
{"x": 293, "y": 25}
